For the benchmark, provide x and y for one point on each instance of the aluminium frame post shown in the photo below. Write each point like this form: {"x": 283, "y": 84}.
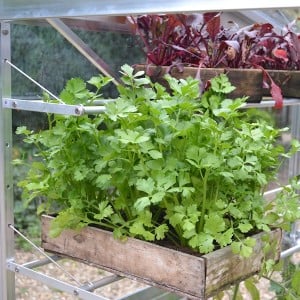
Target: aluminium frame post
{"x": 7, "y": 278}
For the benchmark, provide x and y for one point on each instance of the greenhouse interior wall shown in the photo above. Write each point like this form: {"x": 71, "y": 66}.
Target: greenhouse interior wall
{"x": 53, "y": 42}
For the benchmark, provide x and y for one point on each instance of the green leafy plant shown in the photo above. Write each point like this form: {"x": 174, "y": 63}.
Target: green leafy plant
{"x": 161, "y": 165}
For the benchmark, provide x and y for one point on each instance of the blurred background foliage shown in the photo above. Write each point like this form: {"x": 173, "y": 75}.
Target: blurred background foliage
{"x": 46, "y": 56}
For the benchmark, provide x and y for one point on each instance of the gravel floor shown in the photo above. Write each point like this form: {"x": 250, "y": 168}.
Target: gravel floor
{"x": 29, "y": 289}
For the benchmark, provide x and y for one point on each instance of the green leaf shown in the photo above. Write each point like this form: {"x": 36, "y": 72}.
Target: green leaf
{"x": 249, "y": 241}
{"x": 176, "y": 219}
{"x": 158, "y": 197}
{"x": 23, "y": 130}
{"x": 246, "y": 251}
{"x": 131, "y": 136}
{"x": 296, "y": 282}
{"x": 224, "y": 238}
{"x": 138, "y": 229}
{"x": 99, "y": 81}
{"x": 141, "y": 203}
{"x": 146, "y": 185}
{"x": 221, "y": 84}
{"x": 119, "y": 110}
{"x": 245, "y": 227}
{"x": 105, "y": 211}
{"x": 103, "y": 181}
{"x": 127, "y": 70}
{"x": 202, "y": 241}
{"x": 161, "y": 231}
{"x": 155, "y": 154}
{"x": 214, "y": 224}
{"x": 236, "y": 247}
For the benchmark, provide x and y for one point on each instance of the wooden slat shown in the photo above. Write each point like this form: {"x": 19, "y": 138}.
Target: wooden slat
{"x": 248, "y": 82}
{"x": 224, "y": 269}
{"x": 288, "y": 81}
{"x": 166, "y": 268}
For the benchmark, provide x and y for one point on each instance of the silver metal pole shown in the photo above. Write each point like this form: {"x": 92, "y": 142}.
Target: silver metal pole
{"x": 7, "y": 278}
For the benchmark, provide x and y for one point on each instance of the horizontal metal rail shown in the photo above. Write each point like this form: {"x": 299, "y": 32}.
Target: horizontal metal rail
{"x": 79, "y": 110}
{"x": 290, "y": 251}
{"x": 41, "y": 262}
{"x": 53, "y": 282}
{"x": 46, "y": 107}
{"x": 37, "y": 9}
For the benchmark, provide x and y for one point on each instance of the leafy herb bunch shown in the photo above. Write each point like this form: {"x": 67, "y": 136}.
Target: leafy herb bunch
{"x": 161, "y": 165}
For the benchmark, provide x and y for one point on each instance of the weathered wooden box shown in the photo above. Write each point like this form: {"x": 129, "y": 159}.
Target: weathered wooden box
{"x": 196, "y": 277}
{"x": 248, "y": 82}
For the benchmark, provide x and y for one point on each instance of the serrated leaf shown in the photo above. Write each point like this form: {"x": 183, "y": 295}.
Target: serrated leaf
{"x": 146, "y": 185}
{"x": 141, "y": 203}
{"x": 214, "y": 224}
{"x": 131, "y": 136}
{"x": 137, "y": 229}
{"x": 176, "y": 219}
{"x": 103, "y": 181}
{"x": 99, "y": 81}
{"x": 105, "y": 211}
{"x": 161, "y": 231}
{"x": 202, "y": 241}
{"x": 245, "y": 227}
{"x": 224, "y": 238}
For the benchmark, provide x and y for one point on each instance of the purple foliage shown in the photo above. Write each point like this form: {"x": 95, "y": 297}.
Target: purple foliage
{"x": 200, "y": 40}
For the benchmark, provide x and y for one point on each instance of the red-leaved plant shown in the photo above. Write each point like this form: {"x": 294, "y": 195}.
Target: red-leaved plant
{"x": 200, "y": 40}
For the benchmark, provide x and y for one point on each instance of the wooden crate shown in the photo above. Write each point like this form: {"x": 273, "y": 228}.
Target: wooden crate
{"x": 196, "y": 277}
{"x": 248, "y": 82}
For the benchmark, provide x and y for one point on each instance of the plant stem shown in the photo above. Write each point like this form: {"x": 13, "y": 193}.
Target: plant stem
{"x": 204, "y": 204}
{"x": 235, "y": 291}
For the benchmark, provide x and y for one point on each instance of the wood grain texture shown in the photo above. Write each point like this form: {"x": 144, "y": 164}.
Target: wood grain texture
{"x": 248, "y": 82}
{"x": 288, "y": 81}
{"x": 224, "y": 268}
{"x": 196, "y": 277}
{"x": 155, "y": 265}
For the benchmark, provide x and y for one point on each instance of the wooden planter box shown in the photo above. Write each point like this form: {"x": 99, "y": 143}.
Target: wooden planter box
{"x": 250, "y": 86}
{"x": 196, "y": 277}
{"x": 289, "y": 82}
{"x": 248, "y": 82}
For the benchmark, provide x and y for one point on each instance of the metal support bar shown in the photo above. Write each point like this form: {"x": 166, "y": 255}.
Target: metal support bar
{"x": 91, "y": 286}
{"x": 56, "y": 108}
{"x": 271, "y": 103}
{"x": 79, "y": 110}
{"x": 290, "y": 251}
{"x": 7, "y": 279}
{"x": 53, "y": 282}
{"x": 33, "y": 9}
{"x": 41, "y": 262}
{"x": 152, "y": 293}
{"x": 31, "y": 79}
{"x": 83, "y": 48}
